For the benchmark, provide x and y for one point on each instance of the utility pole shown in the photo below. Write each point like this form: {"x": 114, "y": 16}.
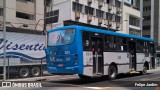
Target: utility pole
{"x": 45, "y": 11}
{"x": 4, "y": 37}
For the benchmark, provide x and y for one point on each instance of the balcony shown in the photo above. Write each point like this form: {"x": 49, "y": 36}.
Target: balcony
{"x": 77, "y": 15}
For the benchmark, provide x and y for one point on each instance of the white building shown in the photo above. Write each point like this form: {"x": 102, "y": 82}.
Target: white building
{"x": 23, "y": 13}
{"x": 106, "y": 14}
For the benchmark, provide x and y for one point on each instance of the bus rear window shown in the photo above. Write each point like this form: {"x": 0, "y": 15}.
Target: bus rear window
{"x": 61, "y": 37}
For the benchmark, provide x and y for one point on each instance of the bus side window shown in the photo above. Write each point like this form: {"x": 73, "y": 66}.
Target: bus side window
{"x": 124, "y": 41}
{"x": 119, "y": 42}
{"x": 140, "y": 46}
{"x": 107, "y": 48}
{"x": 86, "y": 40}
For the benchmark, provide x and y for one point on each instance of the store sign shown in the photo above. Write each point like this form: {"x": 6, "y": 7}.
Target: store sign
{"x": 128, "y": 1}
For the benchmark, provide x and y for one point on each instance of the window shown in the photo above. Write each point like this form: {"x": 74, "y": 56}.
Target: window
{"x": 118, "y": 4}
{"x": 54, "y": 15}
{"x": 110, "y": 43}
{"x": 125, "y": 46}
{"x": 1, "y": 11}
{"x": 147, "y": 27}
{"x": 110, "y": 16}
{"x": 118, "y": 19}
{"x": 86, "y": 41}
{"x": 61, "y": 37}
{"x": 77, "y": 7}
{"x": 107, "y": 1}
{"x": 134, "y": 21}
{"x": 140, "y": 46}
{"x": 147, "y": 17}
{"x": 107, "y": 14}
{"x": 147, "y": 8}
{"x": 89, "y": 10}
{"x": 115, "y": 43}
{"x": 24, "y": 15}
{"x": 99, "y": 13}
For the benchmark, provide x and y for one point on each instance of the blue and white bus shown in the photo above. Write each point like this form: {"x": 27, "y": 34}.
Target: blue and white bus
{"x": 91, "y": 52}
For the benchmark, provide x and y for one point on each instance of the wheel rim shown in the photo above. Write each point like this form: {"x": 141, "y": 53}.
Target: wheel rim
{"x": 24, "y": 72}
{"x": 113, "y": 72}
{"x": 35, "y": 71}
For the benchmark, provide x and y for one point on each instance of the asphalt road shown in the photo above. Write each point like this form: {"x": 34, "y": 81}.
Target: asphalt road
{"x": 123, "y": 82}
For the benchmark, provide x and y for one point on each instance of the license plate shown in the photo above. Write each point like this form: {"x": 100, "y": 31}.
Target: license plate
{"x": 60, "y": 65}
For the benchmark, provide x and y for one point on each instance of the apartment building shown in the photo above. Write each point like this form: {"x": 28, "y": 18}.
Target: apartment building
{"x": 132, "y": 13}
{"x": 151, "y": 22}
{"x": 23, "y": 14}
{"x": 105, "y": 14}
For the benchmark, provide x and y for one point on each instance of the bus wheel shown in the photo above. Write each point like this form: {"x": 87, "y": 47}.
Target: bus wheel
{"x": 35, "y": 71}
{"x": 112, "y": 72}
{"x": 83, "y": 77}
{"x": 23, "y": 72}
{"x": 144, "y": 71}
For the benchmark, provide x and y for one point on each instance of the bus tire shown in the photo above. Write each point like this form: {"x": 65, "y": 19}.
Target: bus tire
{"x": 35, "y": 71}
{"x": 83, "y": 77}
{"x": 23, "y": 72}
{"x": 112, "y": 72}
{"x": 144, "y": 71}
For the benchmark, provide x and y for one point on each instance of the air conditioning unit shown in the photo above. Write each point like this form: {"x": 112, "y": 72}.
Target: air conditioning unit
{"x": 110, "y": 23}
{"x": 89, "y": 18}
{"x": 100, "y": 3}
{"x": 118, "y": 25}
{"x": 89, "y": 1}
{"x": 100, "y": 20}
{"x": 119, "y": 10}
{"x": 109, "y": 7}
{"x": 77, "y": 15}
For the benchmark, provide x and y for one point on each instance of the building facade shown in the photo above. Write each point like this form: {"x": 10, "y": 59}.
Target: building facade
{"x": 115, "y": 15}
{"x": 151, "y": 22}
{"x": 23, "y": 14}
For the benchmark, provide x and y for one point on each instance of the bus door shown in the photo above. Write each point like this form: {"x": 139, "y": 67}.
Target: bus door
{"x": 152, "y": 56}
{"x": 132, "y": 52}
{"x": 97, "y": 50}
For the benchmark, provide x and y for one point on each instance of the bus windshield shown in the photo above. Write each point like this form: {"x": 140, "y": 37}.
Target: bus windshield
{"x": 61, "y": 37}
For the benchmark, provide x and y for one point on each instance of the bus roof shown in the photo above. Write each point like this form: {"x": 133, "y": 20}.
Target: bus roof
{"x": 102, "y": 31}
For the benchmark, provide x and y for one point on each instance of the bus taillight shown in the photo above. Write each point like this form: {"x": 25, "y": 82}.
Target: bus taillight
{"x": 76, "y": 56}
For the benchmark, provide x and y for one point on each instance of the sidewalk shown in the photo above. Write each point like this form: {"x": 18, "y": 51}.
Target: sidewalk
{"x": 49, "y": 76}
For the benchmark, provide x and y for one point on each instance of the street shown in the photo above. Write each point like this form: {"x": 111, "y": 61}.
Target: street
{"x": 123, "y": 82}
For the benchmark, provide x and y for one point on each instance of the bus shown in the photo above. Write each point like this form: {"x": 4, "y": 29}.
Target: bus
{"x": 91, "y": 52}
